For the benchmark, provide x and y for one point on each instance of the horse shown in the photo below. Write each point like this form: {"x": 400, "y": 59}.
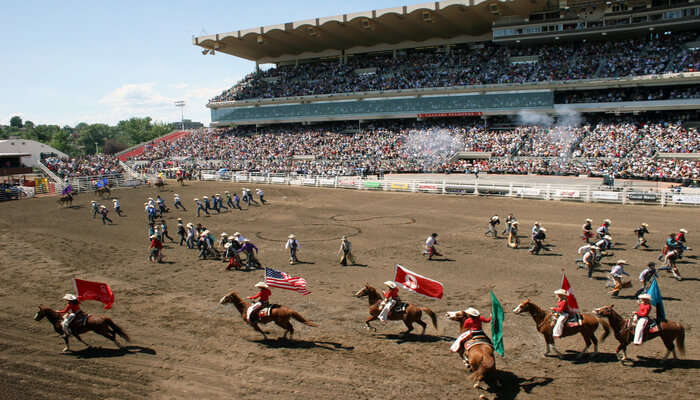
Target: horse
{"x": 624, "y": 333}
{"x": 479, "y": 358}
{"x": 279, "y": 315}
{"x": 95, "y": 323}
{"x": 66, "y": 199}
{"x": 103, "y": 192}
{"x": 181, "y": 180}
{"x": 543, "y": 322}
{"x": 412, "y": 314}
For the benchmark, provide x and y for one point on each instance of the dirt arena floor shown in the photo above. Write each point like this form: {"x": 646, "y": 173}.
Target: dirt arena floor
{"x": 186, "y": 345}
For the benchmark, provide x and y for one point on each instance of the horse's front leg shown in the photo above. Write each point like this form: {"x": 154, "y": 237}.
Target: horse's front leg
{"x": 370, "y": 327}
{"x": 257, "y": 328}
{"x": 587, "y": 340}
{"x": 67, "y": 348}
{"x": 81, "y": 340}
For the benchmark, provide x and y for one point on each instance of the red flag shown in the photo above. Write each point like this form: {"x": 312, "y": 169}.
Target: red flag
{"x": 99, "y": 291}
{"x": 417, "y": 283}
{"x": 571, "y": 299}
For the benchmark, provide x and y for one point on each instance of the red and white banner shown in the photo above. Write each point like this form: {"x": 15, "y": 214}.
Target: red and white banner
{"x": 99, "y": 291}
{"x": 417, "y": 283}
{"x": 452, "y": 114}
{"x": 571, "y": 299}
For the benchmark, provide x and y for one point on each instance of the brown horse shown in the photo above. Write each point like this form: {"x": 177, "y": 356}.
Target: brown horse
{"x": 479, "y": 358}
{"x": 103, "y": 192}
{"x": 95, "y": 323}
{"x": 65, "y": 200}
{"x": 181, "y": 180}
{"x": 279, "y": 315}
{"x": 624, "y": 333}
{"x": 412, "y": 314}
{"x": 543, "y": 321}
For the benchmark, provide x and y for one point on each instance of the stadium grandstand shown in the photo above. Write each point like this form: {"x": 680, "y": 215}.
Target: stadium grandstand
{"x": 525, "y": 86}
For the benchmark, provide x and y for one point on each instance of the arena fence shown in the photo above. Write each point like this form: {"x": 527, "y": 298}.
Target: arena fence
{"x": 576, "y": 193}
{"x": 89, "y": 183}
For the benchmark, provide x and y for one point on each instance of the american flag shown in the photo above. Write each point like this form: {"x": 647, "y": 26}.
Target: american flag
{"x": 282, "y": 280}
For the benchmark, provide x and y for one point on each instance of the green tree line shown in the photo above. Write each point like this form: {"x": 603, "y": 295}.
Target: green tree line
{"x": 83, "y": 139}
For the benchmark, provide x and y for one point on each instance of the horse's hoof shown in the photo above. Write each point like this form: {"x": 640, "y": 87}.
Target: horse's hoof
{"x": 65, "y": 350}
{"x": 620, "y": 356}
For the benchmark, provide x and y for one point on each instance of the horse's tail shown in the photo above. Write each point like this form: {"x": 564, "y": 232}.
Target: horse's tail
{"x": 606, "y": 329}
{"x": 301, "y": 319}
{"x": 680, "y": 340}
{"x": 119, "y": 331}
{"x": 432, "y": 315}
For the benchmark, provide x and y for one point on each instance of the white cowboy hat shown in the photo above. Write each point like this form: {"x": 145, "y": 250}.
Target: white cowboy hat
{"x": 196, "y": 199}
{"x": 150, "y": 198}
{"x": 291, "y": 236}
{"x": 93, "y": 202}
{"x": 114, "y": 200}
{"x": 227, "y": 245}
{"x": 152, "y": 237}
{"x": 70, "y": 297}
{"x": 231, "y": 237}
{"x": 344, "y": 238}
{"x": 644, "y": 224}
{"x": 261, "y": 285}
{"x": 644, "y": 296}
{"x": 223, "y": 234}
{"x": 543, "y": 229}
{"x": 607, "y": 221}
{"x": 246, "y": 240}
{"x": 495, "y": 217}
{"x": 237, "y": 234}
{"x": 205, "y": 197}
{"x": 683, "y": 231}
{"x": 218, "y": 194}
{"x": 472, "y": 311}
{"x": 176, "y": 195}
{"x": 179, "y": 219}
{"x": 622, "y": 262}
{"x": 227, "y": 191}
{"x": 589, "y": 220}
{"x": 561, "y": 292}
{"x": 607, "y": 237}
{"x": 536, "y": 223}
{"x": 515, "y": 223}
{"x": 390, "y": 284}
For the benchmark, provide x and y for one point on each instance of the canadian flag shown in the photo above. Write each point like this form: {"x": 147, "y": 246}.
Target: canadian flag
{"x": 87, "y": 290}
{"x": 417, "y": 283}
{"x": 571, "y": 299}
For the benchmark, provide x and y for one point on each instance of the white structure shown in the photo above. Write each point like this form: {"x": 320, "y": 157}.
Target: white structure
{"x": 26, "y": 146}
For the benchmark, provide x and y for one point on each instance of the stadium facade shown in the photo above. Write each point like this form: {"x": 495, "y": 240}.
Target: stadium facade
{"x": 517, "y": 39}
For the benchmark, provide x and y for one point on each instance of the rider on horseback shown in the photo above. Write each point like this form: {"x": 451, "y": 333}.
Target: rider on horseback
{"x": 470, "y": 328}
{"x": 71, "y": 311}
{"x": 390, "y": 299}
{"x": 263, "y": 296}
{"x": 642, "y": 317}
{"x": 563, "y": 311}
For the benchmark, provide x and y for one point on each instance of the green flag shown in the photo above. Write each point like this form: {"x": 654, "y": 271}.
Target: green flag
{"x": 497, "y": 317}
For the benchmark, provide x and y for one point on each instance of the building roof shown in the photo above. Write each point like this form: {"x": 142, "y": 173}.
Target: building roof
{"x": 3, "y": 155}
{"x": 414, "y": 24}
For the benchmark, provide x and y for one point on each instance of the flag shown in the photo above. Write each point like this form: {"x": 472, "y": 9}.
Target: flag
{"x": 282, "y": 280}
{"x": 497, "y": 318}
{"x": 571, "y": 299}
{"x": 417, "y": 283}
{"x": 67, "y": 189}
{"x": 99, "y": 291}
{"x": 656, "y": 300}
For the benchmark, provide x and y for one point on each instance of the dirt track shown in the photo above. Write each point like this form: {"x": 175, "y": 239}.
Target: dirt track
{"x": 184, "y": 344}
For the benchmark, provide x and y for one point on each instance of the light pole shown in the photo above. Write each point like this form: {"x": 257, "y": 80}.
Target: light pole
{"x": 181, "y": 105}
{"x": 96, "y": 150}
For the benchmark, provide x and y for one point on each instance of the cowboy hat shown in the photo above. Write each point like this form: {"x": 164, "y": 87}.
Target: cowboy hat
{"x": 561, "y": 292}
{"x": 515, "y": 223}
{"x": 223, "y": 234}
{"x": 237, "y": 234}
{"x": 231, "y": 237}
{"x": 70, "y": 297}
{"x": 495, "y": 217}
{"x": 537, "y": 223}
{"x": 218, "y": 194}
{"x": 607, "y": 221}
{"x": 472, "y": 311}
{"x": 644, "y": 224}
{"x": 93, "y": 202}
{"x": 205, "y": 197}
{"x": 391, "y": 284}
{"x": 176, "y": 195}
{"x": 607, "y": 237}
{"x": 246, "y": 240}
{"x": 227, "y": 245}
{"x": 196, "y": 199}
{"x": 179, "y": 219}
{"x": 150, "y": 198}
{"x": 644, "y": 296}
{"x": 227, "y": 191}
{"x": 261, "y": 285}
{"x": 114, "y": 200}
{"x": 622, "y": 262}
{"x": 589, "y": 220}
{"x": 543, "y": 229}
{"x": 152, "y": 237}
{"x": 344, "y": 238}
{"x": 683, "y": 230}
{"x": 291, "y": 236}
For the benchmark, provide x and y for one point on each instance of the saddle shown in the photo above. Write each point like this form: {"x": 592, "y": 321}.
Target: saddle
{"x": 400, "y": 307}
{"x": 265, "y": 311}
{"x": 479, "y": 338}
{"x": 574, "y": 320}
{"x": 653, "y": 326}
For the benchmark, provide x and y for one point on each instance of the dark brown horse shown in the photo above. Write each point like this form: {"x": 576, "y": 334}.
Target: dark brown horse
{"x": 624, "y": 333}
{"x": 103, "y": 192}
{"x": 543, "y": 322}
{"x": 479, "y": 358}
{"x": 412, "y": 314}
{"x": 95, "y": 323}
{"x": 65, "y": 200}
{"x": 181, "y": 180}
{"x": 279, "y": 315}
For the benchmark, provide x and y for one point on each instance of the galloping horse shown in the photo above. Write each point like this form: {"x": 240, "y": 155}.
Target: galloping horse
{"x": 543, "y": 322}
{"x": 181, "y": 180}
{"x": 103, "y": 192}
{"x": 412, "y": 314}
{"x": 624, "y": 333}
{"x": 279, "y": 315}
{"x": 479, "y": 356}
{"x": 66, "y": 199}
{"x": 95, "y": 323}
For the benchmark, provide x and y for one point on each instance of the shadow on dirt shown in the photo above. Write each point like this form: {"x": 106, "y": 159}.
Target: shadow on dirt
{"x": 411, "y": 338}
{"x": 101, "y": 352}
{"x": 510, "y": 385}
{"x": 282, "y": 343}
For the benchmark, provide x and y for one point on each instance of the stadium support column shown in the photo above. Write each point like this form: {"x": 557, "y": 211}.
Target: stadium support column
{"x": 257, "y": 66}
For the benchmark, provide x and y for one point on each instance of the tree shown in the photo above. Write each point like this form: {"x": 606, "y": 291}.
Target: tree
{"x": 62, "y": 141}
{"x": 16, "y": 122}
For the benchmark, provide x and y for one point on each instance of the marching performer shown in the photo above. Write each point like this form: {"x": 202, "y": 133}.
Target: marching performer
{"x": 156, "y": 248}
{"x": 492, "y": 226}
{"x": 640, "y": 232}
{"x": 346, "y": 250}
{"x": 587, "y": 229}
{"x": 263, "y": 297}
{"x": 207, "y": 204}
{"x": 117, "y": 207}
{"x": 237, "y": 202}
{"x": 430, "y": 248}
{"x": 616, "y": 275}
{"x": 200, "y": 207}
{"x": 178, "y": 202}
{"x": 646, "y": 276}
{"x": 220, "y": 202}
{"x": 390, "y": 298}
{"x": 642, "y": 317}
{"x": 292, "y": 245}
{"x": 181, "y": 231}
{"x": 229, "y": 201}
{"x": 563, "y": 311}
{"x": 95, "y": 208}
{"x": 604, "y": 229}
{"x": 261, "y": 194}
{"x": 104, "y": 211}
{"x": 71, "y": 311}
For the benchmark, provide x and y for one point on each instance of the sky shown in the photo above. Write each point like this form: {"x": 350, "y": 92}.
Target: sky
{"x": 82, "y": 61}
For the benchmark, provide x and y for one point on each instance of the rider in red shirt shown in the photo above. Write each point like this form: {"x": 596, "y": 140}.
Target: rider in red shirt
{"x": 71, "y": 310}
{"x": 263, "y": 296}
{"x": 642, "y": 317}
{"x": 391, "y": 296}
{"x": 563, "y": 310}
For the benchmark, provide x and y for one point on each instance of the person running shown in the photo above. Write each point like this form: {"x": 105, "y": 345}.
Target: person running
{"x": 117, "y": 207}
{"x": 492, "y": 226}
{"x": 191, "y": 235}
{"x": 104, "y": 211}
{"x": 200, "y": 207}
{"x": 229, "y": 200}
{"x": 604, "y": 229}
{"x": 250, "y": 251}
{"x": 237, "y": 201}
{"x": 587, "y": 230}
{"x": 207, "y": 204}
{"x": 640, "y": 232}
{"x": 261, "y": 195}
{"x": 430, "y": 248}
{"x": 181, "y": 232}
{"x": 509, "y": 222}
{"x": 178, "y": 203}
{"x": 646, "y": 276}
{"x": 164, "y": 231}
{"x": 616, "y": 273}
{"x": 156, "y": 249}
{"x": 292, "y": 245}
{"x": 95, "y": 208}
{"x": 220, "y": 202}
{"x": 538, "y": 241}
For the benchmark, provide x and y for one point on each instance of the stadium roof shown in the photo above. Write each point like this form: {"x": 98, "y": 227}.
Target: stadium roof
{"x": 414, "y": 24}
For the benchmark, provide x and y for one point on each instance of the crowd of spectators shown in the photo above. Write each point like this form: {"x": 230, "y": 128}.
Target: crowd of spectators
{"x": 625, "y": 148}
{"x": 628, "y": 94}
{"x": 94, "y": 165}
{"x": 475, "y": 64}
